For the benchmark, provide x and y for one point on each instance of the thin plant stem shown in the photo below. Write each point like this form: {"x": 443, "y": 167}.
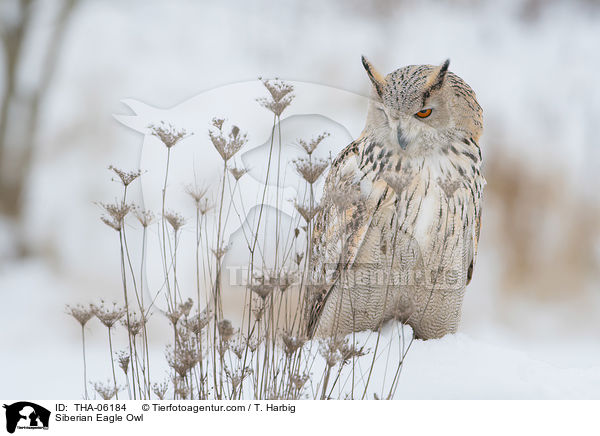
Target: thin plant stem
{"x": 112, "y": 363}
{"x": 84, "y": 362}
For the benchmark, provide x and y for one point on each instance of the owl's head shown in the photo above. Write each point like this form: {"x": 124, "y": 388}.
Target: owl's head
{"x": 420, "y": 107}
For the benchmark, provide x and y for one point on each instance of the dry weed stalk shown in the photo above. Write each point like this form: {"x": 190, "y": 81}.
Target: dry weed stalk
{"x": 268, "y": 356}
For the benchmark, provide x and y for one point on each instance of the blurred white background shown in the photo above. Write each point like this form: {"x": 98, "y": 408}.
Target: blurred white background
{"x": 67, "y": 64}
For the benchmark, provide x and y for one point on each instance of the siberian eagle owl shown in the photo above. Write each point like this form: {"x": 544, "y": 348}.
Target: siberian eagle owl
{"x": 397, "y": 233}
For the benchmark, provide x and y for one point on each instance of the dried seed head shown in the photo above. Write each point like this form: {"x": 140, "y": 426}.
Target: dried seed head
{"x": 285, "y": 280}
{"x": 343, "y": 198}
{"x": 226, "y": 330}
{"x": 126, "y": 177}
{"x": 292, "y": 343}
{"x": 227, "y": 146}
{"x": 106, "y": 391}
{"x": 181, "y": 390}
{"x": 160, "y": 389}
{"x": 175, "y": 220}
{"x": 197, "y": 323}
{"x": 173, "y": 316}
{"x": 133, "y": 325}
{"x": 218, "y": 123}
{"x": 197, "y": 193}
{"x": 238, "y": 173}
{"x": 263, "y": 290}
{"x": 167, "y": 133}
{"x": 205, "y": 206}
{"x": 222, "y": 348}
{"x": 329, "y": 349}
{"x": 145, "y": 217}
{"x": 349, "y": 352}
{"x": 123, "y": 359}
{"x": 220, "y": 252}
{"x": 185, "y": 356}
{"x": 237, "y": 379}
{"x": 116, "y": 214}
{"x": 186, "y": 307}
{"x": 311, "y": 169}
{"x": 110, "y": 223}
{"x": 263, "y": 286}
{"x": 312, "y": 145}
{"x": 299, "y": 380}
{"x": 108, "y": 316}
{"x": 307, "y": 212}
{"x": 277, "y": 88}
{"x": 299, "y": 257}
{"x": 253, "y": 343}
{"x": 280, "y": 98}
{"x": 80, "y": 313}
{"x": 258, "y": 309}
{"x": 239, "y": 348}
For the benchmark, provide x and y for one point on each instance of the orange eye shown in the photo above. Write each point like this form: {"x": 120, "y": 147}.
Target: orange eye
{"x": 423, "y": 113}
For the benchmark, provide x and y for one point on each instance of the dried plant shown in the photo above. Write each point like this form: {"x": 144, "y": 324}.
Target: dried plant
{"x": 185, "y": 356}
{"x": 258, "y": 309}
{"x": 330, "y": 350}
{"x": 123, "y": 358}
{"x": 160, "y": 389}
{"x": 343, "y": 198}
{"x": 226, "y": 330}
{"x": 80, "y": 313}
{"x": 292, "y": 343}
{"x": 173, "y": 316}
{"x": 220, "y": 252}
{"x": 307, "y": 212}
{"x": 126, "y": 177}
{"x": 311, "y": 169}
{"x": 349, "y": 352}
{"x": 133, "y": 324}
{"x": 238, "y": 173}
{"x": 106, "y": 391}
{"x": 108, "y": 315}
{"x": 227, "y": 145}
{"x": 175, "y": 220}
{"x": 145, "y": 217}
{"x": 167, "y": 133}
{"x": 197, "y": 193}
{"x": 298, "y": 381}
{"x": 237, "y": 379}
{"x": 311, "y": 146}
{"x": 198, "y": 322}
{"x": 280, "y": 98}
{"x": 116, "y": 214}
{"x": 205, "y": 206}
{"x": 263, "y": 290}
{"x": 266, "y": 354}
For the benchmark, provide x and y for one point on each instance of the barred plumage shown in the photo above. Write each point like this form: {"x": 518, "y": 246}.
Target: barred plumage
{"x": 397, "y": 233}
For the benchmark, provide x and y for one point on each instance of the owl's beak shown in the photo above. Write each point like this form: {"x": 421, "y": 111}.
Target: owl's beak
{"x": 402, "y": 142}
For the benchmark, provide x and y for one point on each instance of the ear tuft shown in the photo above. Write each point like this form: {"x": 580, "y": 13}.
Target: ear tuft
{"x": 437, "y": 78}
{"x": 377, "y": 79}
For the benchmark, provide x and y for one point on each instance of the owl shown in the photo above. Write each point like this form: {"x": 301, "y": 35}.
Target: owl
{"x": 397, "y": 232}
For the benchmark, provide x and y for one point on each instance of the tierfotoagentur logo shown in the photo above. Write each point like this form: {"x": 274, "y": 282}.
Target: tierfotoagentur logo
{"x": 26, "y": 415}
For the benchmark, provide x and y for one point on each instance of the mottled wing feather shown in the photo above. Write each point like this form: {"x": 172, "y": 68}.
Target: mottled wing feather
{"x": 349, "y": 203}
{"x": 475, "y": 242}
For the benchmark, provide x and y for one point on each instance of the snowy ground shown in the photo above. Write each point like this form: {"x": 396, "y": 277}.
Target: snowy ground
{"x": 535, "y": 77}
{"x": 45, "y": 362}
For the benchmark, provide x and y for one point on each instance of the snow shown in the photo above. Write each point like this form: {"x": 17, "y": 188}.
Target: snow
{"x": 45, "y": 363}
{"x": 534, "y": 77}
